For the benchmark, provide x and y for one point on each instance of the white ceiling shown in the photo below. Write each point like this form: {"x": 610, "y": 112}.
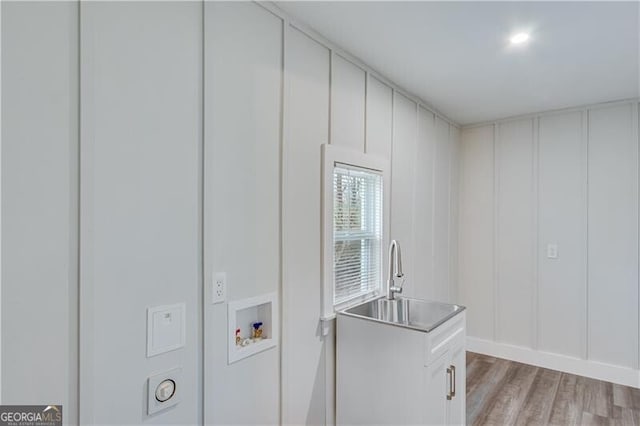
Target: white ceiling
{"x": 456, "y": 55}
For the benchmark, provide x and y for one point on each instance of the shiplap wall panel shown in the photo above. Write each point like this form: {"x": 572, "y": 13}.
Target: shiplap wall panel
{"x": 40, "y": 204}
{"x": 379, "y": 120}
{"x": 379, "y": 129}
{"x": 613, "y": 236}
{"x": 454, "y": 211}
{"x": 243, "y": 76}
{"x": 476, "y": 255}
{"x": 402, "y": 183}
{"x": 441, "y": 211}
{"x": 562, "y": 222}
{"x": 515, "y": 216}
{"x": 572, "y": 176}
{"x": 423, "y": 213}
{"x": 141, "y": 144}
{"x": 307, "y": 117}
{"x": 347, "y": 104}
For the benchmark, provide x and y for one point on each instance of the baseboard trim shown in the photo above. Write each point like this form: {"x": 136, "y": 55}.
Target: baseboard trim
{"x": 593, "y": 369}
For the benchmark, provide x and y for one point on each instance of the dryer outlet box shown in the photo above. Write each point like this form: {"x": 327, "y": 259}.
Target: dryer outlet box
{"x": 157, "y": 399}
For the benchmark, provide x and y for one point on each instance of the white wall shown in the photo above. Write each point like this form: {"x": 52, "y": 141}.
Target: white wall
{"x": 423, "y": 209}
{"x": 306, "y": 129}
{"x": 193, "y": 159}
{"x": 476, "y": 243}
{"x": 403, "y": 168}
{"x": 613, "y": 235}
{"x": 562, "y": 221}
{"x": 274, "y": 92}
{"x": 454, "y": 212}
{"x": 514, "y": 238}
{"x": 567, "y": 178}
{"x": 242, "y": 112}
{"x": 140, "y": 210}
{"x": 39, "y": 204}
{"x": 441, "y": 210}
{"x": 330, "y": 97}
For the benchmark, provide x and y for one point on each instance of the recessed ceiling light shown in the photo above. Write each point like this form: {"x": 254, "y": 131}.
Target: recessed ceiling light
{"x": 519, "y": 38}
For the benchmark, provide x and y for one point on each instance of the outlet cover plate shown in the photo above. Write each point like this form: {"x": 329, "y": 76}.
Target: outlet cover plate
{"x": 219, "y": 288}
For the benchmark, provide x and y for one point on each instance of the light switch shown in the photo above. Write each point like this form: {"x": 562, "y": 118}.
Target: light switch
{"x": 165, "y": 328}
{"x": 552, "y": 251}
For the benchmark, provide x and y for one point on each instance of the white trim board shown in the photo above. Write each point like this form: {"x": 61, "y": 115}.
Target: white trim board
{"x": 332, "y": 155}
{"x": 0, "y": 213}
{"x": 582, "y": 367}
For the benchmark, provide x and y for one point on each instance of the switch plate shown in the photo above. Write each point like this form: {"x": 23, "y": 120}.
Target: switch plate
{"x": 165, "y": 328}
{"x": 219, "y": 287}
{"x": 552, "y": 251}
{"x": 153, "y": 404}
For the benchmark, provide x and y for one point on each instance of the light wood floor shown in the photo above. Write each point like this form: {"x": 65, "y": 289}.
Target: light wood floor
{"x": 501, "y": 392}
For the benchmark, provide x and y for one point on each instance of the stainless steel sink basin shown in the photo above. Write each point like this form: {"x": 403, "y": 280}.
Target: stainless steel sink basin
{"x": 422, "y": 315}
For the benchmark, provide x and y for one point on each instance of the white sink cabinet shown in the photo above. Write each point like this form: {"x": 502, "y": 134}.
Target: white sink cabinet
{"x": 397, "y": 375}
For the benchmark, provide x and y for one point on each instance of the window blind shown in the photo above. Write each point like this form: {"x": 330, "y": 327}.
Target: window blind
{"x": 357, "y": 232}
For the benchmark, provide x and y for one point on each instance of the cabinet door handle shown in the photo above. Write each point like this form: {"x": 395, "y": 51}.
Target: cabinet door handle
{"x": 450, "y": 392}
{"x": 453, "y": 388}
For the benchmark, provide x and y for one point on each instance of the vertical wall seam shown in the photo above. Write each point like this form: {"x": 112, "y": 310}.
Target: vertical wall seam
{"x": 77, "y": 309}
{"x": 535, "y": 176}
{"x": 496, "y": 230}
{"x": 85, "y": 221}
{"x": 202, "y": 290}
{"x": 391, "y": 171}
{"x": 284, "y": 305}
{"x": 83, "y": 417}
{"x": 330, "y": 123}
{"x": 330, "y": 140}
{"x": 413, "y": 186}
{"x": 586, "y": 140}
{"x": 366, "y": 93}
{"x": 324, "y": 368}
{"x": 281, "y": 222}
{"x": 634, "y": 137}
{"x": 585, "y": 230}
{"x": 432, "y": 202}
{"x": 449, "y": 209}
{"x": 637, "y": 138}
{"x": 0, "y": 212}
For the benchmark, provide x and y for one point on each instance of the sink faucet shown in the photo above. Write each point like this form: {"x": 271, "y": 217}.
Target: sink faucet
{"x": 395, "y": 264}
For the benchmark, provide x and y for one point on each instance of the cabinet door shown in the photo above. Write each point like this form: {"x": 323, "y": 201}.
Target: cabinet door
{"x": 456, "y": 406}
{"x": 437, "y": 386}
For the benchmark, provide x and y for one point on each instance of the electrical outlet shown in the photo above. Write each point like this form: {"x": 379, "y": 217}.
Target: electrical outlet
{"x": 552, "y": 251}
{"x": 219, "y": 288}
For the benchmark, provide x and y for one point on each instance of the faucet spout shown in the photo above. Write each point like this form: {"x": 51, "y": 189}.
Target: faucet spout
{"x": 395, "y": 269}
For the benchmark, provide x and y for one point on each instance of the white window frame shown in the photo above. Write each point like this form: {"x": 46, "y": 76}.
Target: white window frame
{"x": 331, "y": 156}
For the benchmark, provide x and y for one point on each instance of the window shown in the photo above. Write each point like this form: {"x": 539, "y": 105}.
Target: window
{"x": 354, "y": 227}
{"x": 357, "y": 232}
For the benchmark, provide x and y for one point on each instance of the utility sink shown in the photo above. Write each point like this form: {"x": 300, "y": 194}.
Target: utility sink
{"x": 416, "y": 314}
{"x": 401, "y": 362}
